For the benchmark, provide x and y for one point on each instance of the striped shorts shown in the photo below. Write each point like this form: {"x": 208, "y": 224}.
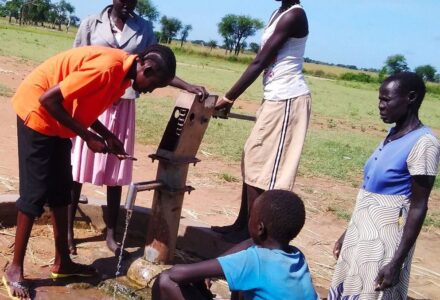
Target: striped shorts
{"x": 272, "y": 152}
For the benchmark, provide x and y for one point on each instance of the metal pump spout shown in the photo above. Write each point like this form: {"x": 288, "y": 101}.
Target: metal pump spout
{"x": 139, "y": 187}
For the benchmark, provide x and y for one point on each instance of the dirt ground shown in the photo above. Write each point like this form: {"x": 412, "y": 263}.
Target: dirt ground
{"x": 216, "y": 202}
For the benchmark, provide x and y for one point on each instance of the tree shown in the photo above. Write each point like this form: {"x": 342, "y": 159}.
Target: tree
{"x": 60, "y": 13}
{"x": 12, "y": 8}
{"x": 212, "y": 44}
{"x": 3, "y": 9}
{"x": 243, "y": 46}
{"x": 236, "y": 29}
{"x": 184, "y": 34}
{"x": 36, "y": 11}
{"x": 254, "y": 47}
{"x": 146, "y": 9}
{"x": 157, "y": 35}
{"x": 74, "y": 20}
{"x": 427, "y": 72}
{"x": 228, "y": 44}
{"x": 198, "y": 42}
{"x": 396, "y": 64}
{"x": 170, "y": 28}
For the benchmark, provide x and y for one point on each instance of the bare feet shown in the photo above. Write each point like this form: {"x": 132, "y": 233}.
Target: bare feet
{"x": 15, "y": 284}
{"x": 111, "y": 242}
{"x": 71, "y": 241}
{"x": 72, "y": 250}
{"x": 73, "y": 269}
{"x": 72, "y": 246}
{"x": 115, "y": 247}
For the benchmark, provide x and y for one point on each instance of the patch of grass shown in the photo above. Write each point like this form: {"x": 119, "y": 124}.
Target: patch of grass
{"x": 216, "y": 75}
{"x": 437, "y": 182}
{"x": 226, "y": 138}
{"x": 152, "y": 115}
{"x": 340, "y": 213}
{"x": 432, "y": 219}
{"x": 339, "y": 154}
{"x": 228, "y": 177}
{"x": 33, "y": 43}
{"x": 5, "y": 91}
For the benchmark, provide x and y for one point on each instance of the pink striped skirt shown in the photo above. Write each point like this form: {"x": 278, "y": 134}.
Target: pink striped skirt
{"x": 107, "y": 169}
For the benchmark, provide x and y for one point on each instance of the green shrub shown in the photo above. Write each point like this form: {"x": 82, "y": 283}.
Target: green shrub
{"x": 320, "y": 73}
{"x": 360, "y": 77}
{"x": 433, "y": 88}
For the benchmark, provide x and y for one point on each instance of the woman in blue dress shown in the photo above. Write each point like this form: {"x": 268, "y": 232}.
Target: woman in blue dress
{"x": 375, "y": 252}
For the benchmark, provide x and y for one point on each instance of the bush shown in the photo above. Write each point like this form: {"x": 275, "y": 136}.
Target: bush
{"x": 360, "y": 77}
{"x": 320, "y": 73}
{"x": 433, "y": 88}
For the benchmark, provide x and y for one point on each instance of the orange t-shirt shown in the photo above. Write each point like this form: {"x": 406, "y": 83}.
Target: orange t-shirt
{"x": 90, "y": 78}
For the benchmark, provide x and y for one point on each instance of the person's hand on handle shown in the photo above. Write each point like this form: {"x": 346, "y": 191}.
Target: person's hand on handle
{"x": 224, "y": 103}
{"x": 223, "y": 107}
{"x": 198, "y": 90}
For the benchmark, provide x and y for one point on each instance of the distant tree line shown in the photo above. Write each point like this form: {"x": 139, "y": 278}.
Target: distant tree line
{"x": 393, "y": 64}
{"x": 235, "y": 29}
{"x": 39, "y": 12}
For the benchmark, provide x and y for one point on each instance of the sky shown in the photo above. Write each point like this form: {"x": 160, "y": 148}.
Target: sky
{"x": 351, "y": 32}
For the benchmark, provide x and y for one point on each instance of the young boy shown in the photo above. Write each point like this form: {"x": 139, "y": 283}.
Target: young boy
{"x": 60, "y": 99}
{"x": 264, "y": 267}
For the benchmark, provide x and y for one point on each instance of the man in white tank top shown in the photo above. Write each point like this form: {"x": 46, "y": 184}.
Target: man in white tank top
{"x": 272, "y": 152}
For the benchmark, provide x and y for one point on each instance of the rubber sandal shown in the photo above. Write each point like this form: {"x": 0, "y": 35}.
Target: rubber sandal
{"x": 17, "y": 285}
{"x": 83, "y": 199}
{"x": 55, "y": 275}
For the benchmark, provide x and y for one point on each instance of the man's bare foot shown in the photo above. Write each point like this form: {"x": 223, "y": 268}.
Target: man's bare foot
{"x": 73, "y": 269}
{"x": 112, "y": 245}
{"x": 236, "y": 237}
{"x": 71, "y": 241}
{"x": 15, "y": 284}
{"x": 72, "y": 246}
{"x": 115, "y": 247}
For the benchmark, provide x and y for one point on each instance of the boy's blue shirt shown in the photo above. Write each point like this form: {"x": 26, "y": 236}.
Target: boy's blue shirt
{"x": 267, "y": 274}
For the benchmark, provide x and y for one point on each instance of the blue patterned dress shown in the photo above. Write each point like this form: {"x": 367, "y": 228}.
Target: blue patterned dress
{"x": 375, "y": 229}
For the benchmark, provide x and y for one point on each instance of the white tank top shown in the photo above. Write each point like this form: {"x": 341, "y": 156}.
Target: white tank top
{"x": 283, "y": 79}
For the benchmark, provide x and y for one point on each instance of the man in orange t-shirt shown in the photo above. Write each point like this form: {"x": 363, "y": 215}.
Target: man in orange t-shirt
{"x": 61, "y": 99}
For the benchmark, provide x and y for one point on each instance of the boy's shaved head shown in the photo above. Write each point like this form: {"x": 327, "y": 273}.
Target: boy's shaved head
{"x": 164, "y": 57}
{"x": 282, "y": 213}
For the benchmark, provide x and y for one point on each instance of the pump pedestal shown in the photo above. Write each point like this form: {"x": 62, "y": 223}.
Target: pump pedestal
{"x": 177, "y": 150}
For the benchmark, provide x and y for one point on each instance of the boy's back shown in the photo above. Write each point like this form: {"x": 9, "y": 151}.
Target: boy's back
{"x": 264, "y": 267}
{"x": 269, "y": 274}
